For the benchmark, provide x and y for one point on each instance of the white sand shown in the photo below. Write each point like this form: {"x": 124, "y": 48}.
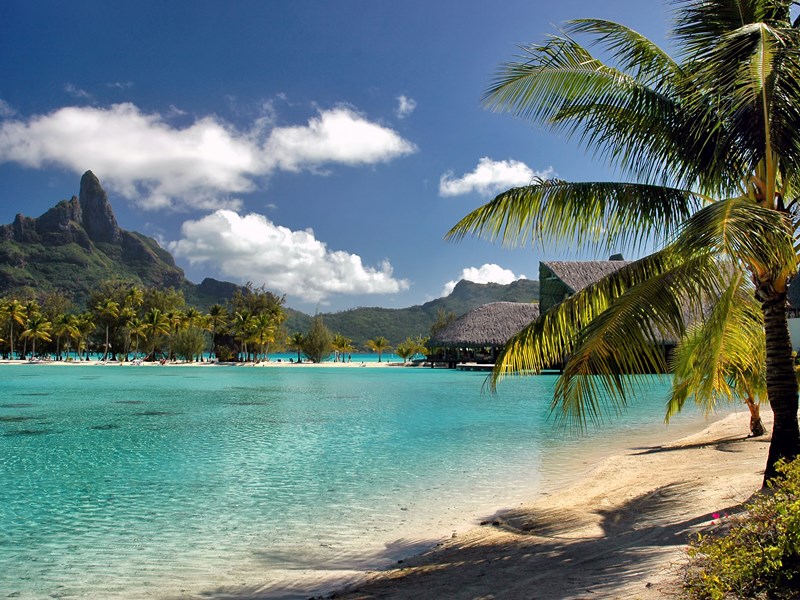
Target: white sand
{"x": 618, "y": 533}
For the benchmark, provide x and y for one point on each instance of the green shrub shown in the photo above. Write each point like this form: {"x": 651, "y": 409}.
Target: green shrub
{"x": 757, "y": 554}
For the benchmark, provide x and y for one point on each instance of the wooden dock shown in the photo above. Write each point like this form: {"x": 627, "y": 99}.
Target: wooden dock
{"x": 474, "y": 366}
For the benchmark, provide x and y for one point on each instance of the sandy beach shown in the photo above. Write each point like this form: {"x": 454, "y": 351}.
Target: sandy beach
{"x": 186, "y": 364}
{"x": 618, "y": 533}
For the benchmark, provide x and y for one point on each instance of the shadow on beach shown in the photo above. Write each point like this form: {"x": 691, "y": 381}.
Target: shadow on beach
{"x": 619, "y": 533}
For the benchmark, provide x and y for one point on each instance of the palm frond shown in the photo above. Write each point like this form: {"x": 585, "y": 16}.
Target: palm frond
{"x": 600, "y": 214}
{"x": 549, "y": 340}
{"x": 615, "y": 114}
{"x": 750, "y": 234}
{"x": 633, "y": 53}
{"x": 701, "y": 23}
{"x": 627, "y": 340}
{"x": 722, "y": 357}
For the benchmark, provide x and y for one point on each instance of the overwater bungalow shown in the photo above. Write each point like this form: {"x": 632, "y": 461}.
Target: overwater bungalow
{"x": 558, "y": 280}
{"x": 478, "y": 336}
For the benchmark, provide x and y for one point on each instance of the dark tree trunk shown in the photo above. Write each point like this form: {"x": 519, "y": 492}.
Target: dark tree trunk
{"x": 756, "y": 425}
{"x": 781, "y": 383}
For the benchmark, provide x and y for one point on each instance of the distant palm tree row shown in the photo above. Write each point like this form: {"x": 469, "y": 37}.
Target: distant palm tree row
{"x": 125, "y": 321}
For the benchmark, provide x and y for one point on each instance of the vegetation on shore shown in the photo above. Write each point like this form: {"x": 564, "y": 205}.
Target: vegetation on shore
{"x": 755, "y": 554}
{"x": 123, "y": 321}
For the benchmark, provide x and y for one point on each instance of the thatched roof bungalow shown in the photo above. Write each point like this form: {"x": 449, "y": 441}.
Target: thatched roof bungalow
{"x": 479, "y": 334}
{"x": 559, "y": 280}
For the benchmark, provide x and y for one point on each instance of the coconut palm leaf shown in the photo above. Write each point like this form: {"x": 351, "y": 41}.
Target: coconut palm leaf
{"x": 722, "y": 357}
{"x": 602, "y": 215}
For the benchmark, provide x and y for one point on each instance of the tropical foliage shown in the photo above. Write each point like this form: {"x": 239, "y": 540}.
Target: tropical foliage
{"x": 411, "y": 347}
{"x": 124, "y": 318}
{"x": 380, "y": 345}
{"x": 755, "y": 554}
{"x": 708, "y": 144}
{"x": 318, "y": 342}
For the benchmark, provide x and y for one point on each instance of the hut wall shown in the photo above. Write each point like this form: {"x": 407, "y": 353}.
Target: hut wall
{"x": 551, "y": 289}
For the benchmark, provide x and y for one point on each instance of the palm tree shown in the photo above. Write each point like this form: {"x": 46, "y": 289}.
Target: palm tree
{"x": 217, "y": 319}
{"x": 108, "y": 310}
{"x": 341, "y": 345}
{"x": 722, "y": 357}
{"x": 296, "y": 342}
{"x": 177, "y": 323}
{"x": 66, "y": 326}
{"x": 86, "y": 325}
{"x": 243, "y": 328}
{"x": 379, "y": 344}
{"x": 411, "y": 347}
{"x": 134, "y": 298}
{"x": 137, "y": 331}
{"x": 32, "y": 309}
{"x": 264, "y": 329}
{"x": 155, "y": 326}
{"x": 37, "y": 328}
{"x": 709, "y": 143}
{"x": 15, "y": 312}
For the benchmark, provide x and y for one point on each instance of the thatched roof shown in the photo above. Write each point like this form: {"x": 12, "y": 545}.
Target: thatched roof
{"x": 794, "y": 292}
{"x": 581, "y": 273}
{"x": 492, "y": 324}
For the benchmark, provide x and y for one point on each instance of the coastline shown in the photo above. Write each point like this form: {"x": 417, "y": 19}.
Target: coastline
{"x": 617, "y": 532}
{"x": 182, "y": 364}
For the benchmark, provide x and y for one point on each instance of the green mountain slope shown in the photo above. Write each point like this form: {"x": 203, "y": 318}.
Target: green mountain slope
{"x": 396, "y": 324}
{"x": 77, "y": 244}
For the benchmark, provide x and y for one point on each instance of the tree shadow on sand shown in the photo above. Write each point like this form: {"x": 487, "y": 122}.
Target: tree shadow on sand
{"x": 553, "y": 554}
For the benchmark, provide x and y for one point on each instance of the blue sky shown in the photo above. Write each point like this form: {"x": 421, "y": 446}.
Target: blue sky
{"x": 322, "y": 148}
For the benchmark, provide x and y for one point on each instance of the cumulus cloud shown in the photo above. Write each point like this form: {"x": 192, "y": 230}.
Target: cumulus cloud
{"x": 405, "y": 106}
{"x": 487, "y": 273}
{"x": 204, "y": 165}
{"x": 252, "y": 248}
{"x": 339, "y": 135}
{"x": 490, "y": 177}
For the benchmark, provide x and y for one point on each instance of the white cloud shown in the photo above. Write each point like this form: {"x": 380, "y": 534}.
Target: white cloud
{"x": 339, "y": 135}
{"x": 77, "y": 92}
{"x": 490, "y": 177}
{"x": 405, "y": 106}
{"x": 6, "y": 110}
{"x": 488, "y": 273}
{"x": 204, "y": 165}
{"x": 252, "y": 248}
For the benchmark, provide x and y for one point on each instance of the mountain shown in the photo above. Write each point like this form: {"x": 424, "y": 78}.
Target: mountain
{"x": 78, "y": 243}
{"x": 396, "y": 324}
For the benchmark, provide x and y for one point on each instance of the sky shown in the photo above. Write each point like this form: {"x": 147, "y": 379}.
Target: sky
{"x": 322, "y": 149}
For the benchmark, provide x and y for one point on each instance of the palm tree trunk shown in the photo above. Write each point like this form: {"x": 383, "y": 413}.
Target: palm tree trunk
{"x": 756, "y": 425}
{"x": 781, "y": 383}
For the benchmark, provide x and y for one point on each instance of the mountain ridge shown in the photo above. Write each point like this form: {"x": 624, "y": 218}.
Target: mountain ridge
{"x": 78, "y": 243}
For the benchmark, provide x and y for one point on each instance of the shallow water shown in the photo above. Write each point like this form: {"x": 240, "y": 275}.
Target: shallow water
{"x": 121, "y": 482}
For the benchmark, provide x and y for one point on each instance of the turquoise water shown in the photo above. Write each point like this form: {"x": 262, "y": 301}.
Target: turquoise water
{"x": 133, "y": 482}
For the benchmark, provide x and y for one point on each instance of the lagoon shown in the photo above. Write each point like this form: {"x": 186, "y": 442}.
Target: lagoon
{"x": 226, "y": 481}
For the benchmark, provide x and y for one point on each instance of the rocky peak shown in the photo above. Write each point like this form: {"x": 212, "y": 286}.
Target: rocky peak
{"x": 97, "y": 217}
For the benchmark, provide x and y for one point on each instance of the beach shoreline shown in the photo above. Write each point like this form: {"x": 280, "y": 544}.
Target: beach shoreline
{"x": 617, "y": 532}
{"x": 186, "y": 364}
